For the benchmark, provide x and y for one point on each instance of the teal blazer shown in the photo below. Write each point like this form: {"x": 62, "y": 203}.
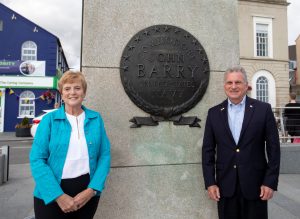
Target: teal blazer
{"x": 50, "y": 147}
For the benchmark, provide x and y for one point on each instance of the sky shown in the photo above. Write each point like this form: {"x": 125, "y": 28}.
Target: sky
{"x": 293, "y": 21}
{"x": 63, "y": 19}
{"x": 59, "y": 17}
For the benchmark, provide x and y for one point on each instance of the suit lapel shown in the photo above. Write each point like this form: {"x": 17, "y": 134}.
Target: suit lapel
{"x": 249, "y": 109}
{"x": 224, "y": 113}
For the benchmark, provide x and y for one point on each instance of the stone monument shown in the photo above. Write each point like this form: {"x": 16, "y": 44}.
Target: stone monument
{"x": 138, "y": 71}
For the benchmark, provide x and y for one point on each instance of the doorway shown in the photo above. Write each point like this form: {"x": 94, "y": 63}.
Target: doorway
{"x": 2, "y": 101}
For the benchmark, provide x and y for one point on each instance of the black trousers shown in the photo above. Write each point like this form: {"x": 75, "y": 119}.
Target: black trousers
{"x": 71, "y": 187}
{"x": 237, "y": 207}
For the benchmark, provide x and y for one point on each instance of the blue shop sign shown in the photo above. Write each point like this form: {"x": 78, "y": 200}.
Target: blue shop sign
{"x": 27, "y": 68}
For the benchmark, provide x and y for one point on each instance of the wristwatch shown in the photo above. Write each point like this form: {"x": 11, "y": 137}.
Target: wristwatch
{"x": 95, "y": 192}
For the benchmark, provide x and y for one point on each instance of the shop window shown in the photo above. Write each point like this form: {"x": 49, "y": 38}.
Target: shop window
{"x": 27, "y": 104}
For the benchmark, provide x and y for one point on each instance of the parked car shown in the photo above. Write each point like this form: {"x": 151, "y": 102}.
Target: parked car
{"x": 36, "y": 121}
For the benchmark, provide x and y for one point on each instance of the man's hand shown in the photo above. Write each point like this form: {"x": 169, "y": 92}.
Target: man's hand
{"x": 83, "y": 197}
{"x": 214, "y": 192}
{"x": 266, "y": 193}
{"x": 66, "y": 203}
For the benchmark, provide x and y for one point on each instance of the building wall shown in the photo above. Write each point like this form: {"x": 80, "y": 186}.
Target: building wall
{"x": 298, "y": 63}
{"x": 267, "y": 1}
{"x": 279, "y": 71}
{"x": 16, "y": 30}
{"x": 278, "y": 65}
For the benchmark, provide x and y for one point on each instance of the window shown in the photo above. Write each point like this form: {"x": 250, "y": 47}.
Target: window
{"x": 263, "y": 87}
{"x": 1, "y": 25}
{"x": 262, "y": 93}
{"x": 29, "y": 51}
{"x": 27, "y": 104}
{"x": 262, "y": 40}
{"x": 292, "y": 65}
{"x": 263, "y": 45}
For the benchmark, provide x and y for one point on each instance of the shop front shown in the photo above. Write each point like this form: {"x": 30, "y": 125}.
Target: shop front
{"x": 22, "y": 96}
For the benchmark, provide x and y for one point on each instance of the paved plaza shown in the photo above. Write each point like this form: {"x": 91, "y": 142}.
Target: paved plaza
{"x": 16, "y": 200}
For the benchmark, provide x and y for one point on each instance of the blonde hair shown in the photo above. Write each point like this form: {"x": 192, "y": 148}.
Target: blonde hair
{"x": 71, "y": 77}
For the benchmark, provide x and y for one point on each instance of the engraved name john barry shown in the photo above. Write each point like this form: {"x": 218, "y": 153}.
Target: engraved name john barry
{"x": 165, "y": 67}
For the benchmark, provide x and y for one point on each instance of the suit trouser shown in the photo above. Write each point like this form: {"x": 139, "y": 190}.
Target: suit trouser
{"x": 237, "y": 207}
{"x": 71, "y": 187}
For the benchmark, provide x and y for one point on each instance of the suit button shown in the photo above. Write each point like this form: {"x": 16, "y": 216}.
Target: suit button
{"x": 234, "y": 166}
{"x": 237, "y": 150}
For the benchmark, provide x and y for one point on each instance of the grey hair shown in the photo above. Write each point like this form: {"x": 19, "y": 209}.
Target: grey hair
{"x": 236, "y": 68}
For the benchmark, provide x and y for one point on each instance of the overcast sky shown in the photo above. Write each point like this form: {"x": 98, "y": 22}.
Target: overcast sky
{"x": 293, "y": 21}
{"x": 63, "y": 19}
{"x": 60, "y": 17}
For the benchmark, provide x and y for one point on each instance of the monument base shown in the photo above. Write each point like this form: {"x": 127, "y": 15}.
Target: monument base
{"x": 160, "y": 192}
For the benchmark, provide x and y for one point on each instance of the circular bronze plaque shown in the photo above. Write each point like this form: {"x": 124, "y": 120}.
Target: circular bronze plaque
{"x": 164, "y": 70}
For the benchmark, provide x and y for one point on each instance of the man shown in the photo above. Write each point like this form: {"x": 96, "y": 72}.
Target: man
{"x": 293, "y": 117}
{"x": 241, "y": 152}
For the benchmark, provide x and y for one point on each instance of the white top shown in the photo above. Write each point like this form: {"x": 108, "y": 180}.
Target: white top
{"x": 77, "y": 160}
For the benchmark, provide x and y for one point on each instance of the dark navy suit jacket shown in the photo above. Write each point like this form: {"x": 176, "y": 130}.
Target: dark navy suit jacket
{"x": 254, "y": 161}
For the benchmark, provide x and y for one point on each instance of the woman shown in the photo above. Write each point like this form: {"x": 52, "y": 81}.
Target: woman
{"x": 70, "y": 156}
